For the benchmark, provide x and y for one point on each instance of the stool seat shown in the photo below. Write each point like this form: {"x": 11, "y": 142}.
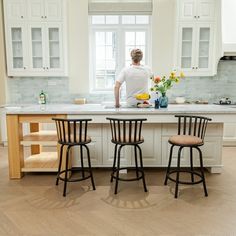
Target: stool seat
{"x": 77, "y": 140}
{"x": 127, "y": 140}
{"x": 185, "y": 140}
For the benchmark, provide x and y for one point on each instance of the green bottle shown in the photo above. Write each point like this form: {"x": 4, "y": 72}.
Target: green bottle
{"x": 42, "y": 98}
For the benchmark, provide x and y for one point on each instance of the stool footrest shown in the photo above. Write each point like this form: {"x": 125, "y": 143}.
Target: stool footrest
{"x": 128, "y": 179}
{"x": 76, "y": 179}
{"x": 185, "y": 182}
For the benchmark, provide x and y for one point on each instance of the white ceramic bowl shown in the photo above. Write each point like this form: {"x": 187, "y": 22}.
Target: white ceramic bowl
{"x": 180, "y": 100}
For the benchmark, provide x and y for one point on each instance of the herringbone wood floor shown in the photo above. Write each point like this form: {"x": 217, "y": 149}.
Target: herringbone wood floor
{"x": 34, "y": 206}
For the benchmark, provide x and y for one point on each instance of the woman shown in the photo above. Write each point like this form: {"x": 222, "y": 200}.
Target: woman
{"x": 136, "y": 77}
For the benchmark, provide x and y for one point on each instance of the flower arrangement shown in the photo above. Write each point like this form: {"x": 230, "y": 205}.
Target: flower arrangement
{"x": 162, "y": 84}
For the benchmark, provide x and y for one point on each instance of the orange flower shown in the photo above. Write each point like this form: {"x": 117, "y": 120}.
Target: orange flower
{"x": 157, "y": 79}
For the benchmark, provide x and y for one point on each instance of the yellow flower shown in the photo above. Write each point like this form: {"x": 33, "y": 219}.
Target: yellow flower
{"x": 177, "y": 80}
{"x": 172, "y": 75}
{"x": 182, "y": 74}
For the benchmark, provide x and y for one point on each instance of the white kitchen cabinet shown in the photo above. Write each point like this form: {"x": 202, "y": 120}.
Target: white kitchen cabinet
{"x": 197, "y": 26}
{"x": 37, "y": 46}
{"x": 45, "y": 10}
{"x": 17, "y": 59}
{"x": 46, "y": 48}
{"x": 195, "y": 48}
{"x": 15, "y": 10}
{"x": 196, "y": 10}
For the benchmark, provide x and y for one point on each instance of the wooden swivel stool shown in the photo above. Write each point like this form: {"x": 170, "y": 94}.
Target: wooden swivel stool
{"x": 191, "y": 133}
{"x": 127, "y": 132}
{"x": 71, "y": 133}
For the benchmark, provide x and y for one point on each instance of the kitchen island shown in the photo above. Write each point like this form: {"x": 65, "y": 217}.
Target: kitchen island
{"x": 160, "y": 125}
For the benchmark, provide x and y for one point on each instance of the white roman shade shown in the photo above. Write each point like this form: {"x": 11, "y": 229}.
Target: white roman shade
{"x": 120, "y": 7}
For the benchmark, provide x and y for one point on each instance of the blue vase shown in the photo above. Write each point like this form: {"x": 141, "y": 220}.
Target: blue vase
{"x": 163, "y": 101}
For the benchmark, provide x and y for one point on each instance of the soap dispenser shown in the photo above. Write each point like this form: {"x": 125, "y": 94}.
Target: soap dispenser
{"x": 42, "y": 98}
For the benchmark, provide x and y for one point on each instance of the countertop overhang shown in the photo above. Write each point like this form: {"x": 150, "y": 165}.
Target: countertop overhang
{"x": 98, "y": 112}
{"x": 92, "y": 109}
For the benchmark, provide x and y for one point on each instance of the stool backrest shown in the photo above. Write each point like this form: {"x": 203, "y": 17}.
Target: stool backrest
{"x": 71, "y": 131}
{"x": 192, "y": 125}
{"x": 126, "y": 130}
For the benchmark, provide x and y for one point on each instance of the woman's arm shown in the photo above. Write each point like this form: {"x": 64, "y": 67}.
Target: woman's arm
{"x": 117, "y": 94}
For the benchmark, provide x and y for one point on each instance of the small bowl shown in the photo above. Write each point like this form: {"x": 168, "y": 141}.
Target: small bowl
{"x": 180, "y": 100}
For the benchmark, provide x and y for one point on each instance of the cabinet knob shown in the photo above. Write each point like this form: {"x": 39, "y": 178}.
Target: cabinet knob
{"x": 44, "y": 68}
{"x": 22, "y": 17}
{"x": 196, "y": 67}
{"x": 45, "y": 17}
{"x": 193, "y": 68}
{"x": 24, "y": 68}
{"x": 47, "y": 68}
{"x": 195, "y": 16}
{"x": 198, "y": 17}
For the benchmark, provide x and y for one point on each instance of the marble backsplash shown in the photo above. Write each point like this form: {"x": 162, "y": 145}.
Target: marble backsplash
{"x": 26, "y": 90}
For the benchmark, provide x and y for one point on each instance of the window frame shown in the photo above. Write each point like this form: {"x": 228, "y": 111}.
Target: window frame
{"x": 120, "y": 30}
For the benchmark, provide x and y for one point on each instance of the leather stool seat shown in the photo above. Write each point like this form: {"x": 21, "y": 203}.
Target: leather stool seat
{"x": 185, "y": 140}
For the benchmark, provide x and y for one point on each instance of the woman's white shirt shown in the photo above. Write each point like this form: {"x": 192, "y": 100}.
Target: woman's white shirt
{"x": 136, "y": 78}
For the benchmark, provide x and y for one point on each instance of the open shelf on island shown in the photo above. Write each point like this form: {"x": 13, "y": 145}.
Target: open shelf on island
{"x": 43, "y": 162}
{"x": 43, "y": 137}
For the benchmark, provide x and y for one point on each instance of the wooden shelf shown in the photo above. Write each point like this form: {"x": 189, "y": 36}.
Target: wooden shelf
{"x": 41, "y": 138}
{"x": 43, "y": 162}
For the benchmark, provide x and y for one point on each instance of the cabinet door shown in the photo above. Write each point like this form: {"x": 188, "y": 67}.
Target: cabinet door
{"x": 37, "y": 47}
{"x": 54, "y": 48}
{"x": 187, "y": 10}
{"x": 151, "y": 148}
{"x": 36, "y": 10}
{"x": 186, "y": 47}
{"x": 204, "y": 47}
{"x": 206, "y": 10}
{"x": 53, "y": 10}
{"x": 16, "y": 45}
{"x": 15, "y": 9}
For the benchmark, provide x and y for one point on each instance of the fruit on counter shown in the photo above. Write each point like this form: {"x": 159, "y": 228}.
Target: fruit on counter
{"x": 145, "y": 102}
{"x": 142, "y": 96}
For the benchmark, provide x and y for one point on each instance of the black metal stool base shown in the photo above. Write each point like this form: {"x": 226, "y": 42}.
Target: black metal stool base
{"x": 192, "y": 172}
{"x": 128, "y": 179}
{"x": 185, "y": 182}
{"x": 67, "y": 170}
{"x": 139, "y": 169}
{"x": 70, "y": 179}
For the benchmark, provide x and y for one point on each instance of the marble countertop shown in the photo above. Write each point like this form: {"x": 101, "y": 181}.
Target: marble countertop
{"x": 96, "y": 109}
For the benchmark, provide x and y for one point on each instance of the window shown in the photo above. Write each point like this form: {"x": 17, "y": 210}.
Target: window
{"x": 112, "y": 39}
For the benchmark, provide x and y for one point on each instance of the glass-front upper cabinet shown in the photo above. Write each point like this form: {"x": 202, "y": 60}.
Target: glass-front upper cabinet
{"x": 195, "y": 49}
{"x": 17, "y": 59}
{"x": 187, "y": 48}
{"x": 54, "y": 44}
{"x": 37, "y": 47}
{"x": 204, "y": 33}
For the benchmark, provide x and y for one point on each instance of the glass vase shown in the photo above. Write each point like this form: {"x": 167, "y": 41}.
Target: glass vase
{"x": 163, "y": 100}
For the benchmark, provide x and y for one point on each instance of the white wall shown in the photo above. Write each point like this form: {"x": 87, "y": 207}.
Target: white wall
{"x": 78, "y": 46}
{"x": 78, "y": 38}
{"x": 163, "y": 31}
